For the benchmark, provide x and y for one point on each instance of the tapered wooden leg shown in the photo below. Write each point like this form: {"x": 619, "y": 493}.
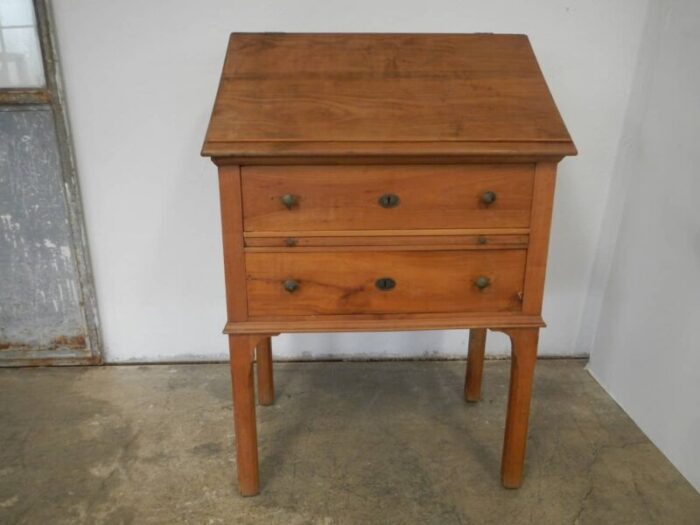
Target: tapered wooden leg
{"x": 475, "y": 364}
{"x": 241, "y": 350}
{"x": 522, "y": 368}
{"x": 266, "y": 385}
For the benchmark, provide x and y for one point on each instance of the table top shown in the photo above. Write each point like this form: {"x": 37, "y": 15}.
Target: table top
{"x": 383, "y": 94}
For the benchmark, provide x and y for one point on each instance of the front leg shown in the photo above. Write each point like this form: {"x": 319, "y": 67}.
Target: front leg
{"x": 241, "y": 349}
{"x": 524, "y": 355}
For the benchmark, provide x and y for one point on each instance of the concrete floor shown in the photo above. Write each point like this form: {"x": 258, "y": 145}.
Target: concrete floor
{"x": 356, "y": 443}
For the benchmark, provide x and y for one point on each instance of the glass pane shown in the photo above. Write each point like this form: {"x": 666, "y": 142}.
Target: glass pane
{"x": 16, "y": 13}
{"x": 20, "y": 53}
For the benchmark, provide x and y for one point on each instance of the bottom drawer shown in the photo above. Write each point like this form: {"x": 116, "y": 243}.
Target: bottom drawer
{"x": 377, "y": 282}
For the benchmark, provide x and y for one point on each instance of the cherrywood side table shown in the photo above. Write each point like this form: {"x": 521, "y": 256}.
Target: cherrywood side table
{"x": 384, "y": 182}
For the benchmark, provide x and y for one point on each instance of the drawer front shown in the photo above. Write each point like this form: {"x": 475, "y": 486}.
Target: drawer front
{"x": 377, "y": 282}
{"x": 323, "y": 198}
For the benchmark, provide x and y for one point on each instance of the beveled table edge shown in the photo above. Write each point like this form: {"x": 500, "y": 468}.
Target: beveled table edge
{"x": 338, "y": 152}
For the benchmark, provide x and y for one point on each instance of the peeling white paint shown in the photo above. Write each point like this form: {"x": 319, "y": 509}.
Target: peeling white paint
{"x": 39, "y": 299}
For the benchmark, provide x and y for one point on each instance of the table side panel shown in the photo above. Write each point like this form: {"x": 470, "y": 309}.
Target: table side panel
{"x": 540, "y": 224}
{"x": 232, "y": 236}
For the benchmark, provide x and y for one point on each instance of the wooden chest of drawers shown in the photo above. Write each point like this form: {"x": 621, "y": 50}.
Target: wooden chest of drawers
{"x": 384, "y": 182}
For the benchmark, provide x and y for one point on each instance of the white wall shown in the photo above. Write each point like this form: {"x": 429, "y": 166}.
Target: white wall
{"x": 140, "y": 78}
{"x": 647, "y": 348}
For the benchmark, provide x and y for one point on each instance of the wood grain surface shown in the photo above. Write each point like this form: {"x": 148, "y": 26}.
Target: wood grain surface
{"x": 417, "y": 90}
{"x": 344, "y": 282}
{"x": 347, "y": 197}
{"x": 232, "y": 235}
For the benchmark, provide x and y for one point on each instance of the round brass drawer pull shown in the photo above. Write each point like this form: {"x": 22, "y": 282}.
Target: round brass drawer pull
{"x": 290, "y": 285}
{"x": 488, "y": 197}
{"x": 389, "y": 200}
{"x": 289, "y": 200}
{"x": 385, "y": 284}
{"x": 482, "y": 282}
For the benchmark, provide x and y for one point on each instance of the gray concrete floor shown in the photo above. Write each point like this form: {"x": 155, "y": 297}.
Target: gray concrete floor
{"x": 358, "y": 443}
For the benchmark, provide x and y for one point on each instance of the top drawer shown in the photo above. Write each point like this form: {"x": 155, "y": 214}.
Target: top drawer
{"x": 319, "y": 198}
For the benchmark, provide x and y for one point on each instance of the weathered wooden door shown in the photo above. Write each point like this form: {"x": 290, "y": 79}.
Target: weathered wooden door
{"x": 48, "y": 313}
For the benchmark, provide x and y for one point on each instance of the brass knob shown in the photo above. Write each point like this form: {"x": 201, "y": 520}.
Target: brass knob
{"x": 389, "y": 200}
{"x": 482, "y": 282}
{"x": 385, "y": 284}
{"x": 488, "y": 197}
{"x": 289, "y": 200}
{"x": 290, "y": 285}
{"x": 290, "y": 242}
